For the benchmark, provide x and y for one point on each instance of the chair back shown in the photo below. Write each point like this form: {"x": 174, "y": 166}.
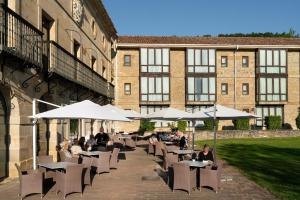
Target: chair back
{"x": 19, "y": 171}
{"x": 181, "y": 172}
{"x": 74, "y": 174}
{"x": 45, "y": 159}
{"x": 115, "y": 154}
{"x": 62, "y": 156}
{"x": 87, "y": 161}
{"x": 104, "y": 158}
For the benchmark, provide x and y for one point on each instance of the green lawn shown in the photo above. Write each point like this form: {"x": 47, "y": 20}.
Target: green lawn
{"x": 273, "y": 163}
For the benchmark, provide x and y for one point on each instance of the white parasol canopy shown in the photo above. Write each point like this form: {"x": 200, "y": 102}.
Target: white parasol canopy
{"x": 169, "y": 114}
{"x": 81, "y": 110}
{"x": 126, "y": 113}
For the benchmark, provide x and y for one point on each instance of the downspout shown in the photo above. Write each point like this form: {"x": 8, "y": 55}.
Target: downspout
{"x": 234, "y": 65}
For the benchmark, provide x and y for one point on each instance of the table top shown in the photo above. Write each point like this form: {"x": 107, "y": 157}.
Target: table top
{"x": 90, "y": 153}
{"x": 195, "y": 163}
{"x": 57, "y": 165}
{"x": 176, "y": 151}
{"x": 124, "y": 137}
{"x": 169, "y": 142}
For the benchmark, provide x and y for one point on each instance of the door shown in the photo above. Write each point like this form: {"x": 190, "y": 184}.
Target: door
{"x": 3, "y": 139}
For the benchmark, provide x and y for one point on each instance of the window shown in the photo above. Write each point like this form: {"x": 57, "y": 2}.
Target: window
{"x": 150, "y": 109}
{"x": 155, "y": 89}
{"x": 127, "y": 60}
{"x": 127, "y": 88}
{"x": 263, "y": 111}
{"x": 224, "y": 88}
{"x": 245, "y": 61}
{"x": 76, "y": 49}
{"x": 245, "y": 88}
{"x": 224, "y": 61}
{"x": 201, "y": 60}
{"x": 154, "y": 60}
{"x": 94, "y": 63}
{"x": 201, "y": 89}
{"x": 272, "y": 61}
{"x": 103, "y": 70}
{"x": 272, "y": 89}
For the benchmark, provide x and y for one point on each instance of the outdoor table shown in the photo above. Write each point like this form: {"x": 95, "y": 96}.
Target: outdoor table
{"x": 169, "y": 142}
{"x": 182, "y": 152}
{"x": 196, "y": 164}
{"x": 90, "y": 153}
{"x": 124, "y": 137}
{"x": 57, "y": 165}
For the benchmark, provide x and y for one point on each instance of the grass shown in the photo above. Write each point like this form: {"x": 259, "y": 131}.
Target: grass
{"x": 273, "y": 163}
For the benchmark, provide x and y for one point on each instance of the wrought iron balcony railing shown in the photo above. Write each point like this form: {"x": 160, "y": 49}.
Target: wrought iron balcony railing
{"x": 68, "y": 66}
{"x": 19, "y": 38}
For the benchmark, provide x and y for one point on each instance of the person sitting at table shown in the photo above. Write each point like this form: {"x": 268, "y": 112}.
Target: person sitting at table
{"x": 182, "y": 143}
{"x": 91, "y": 142}
{"x": 101, "y": 137}
{"x": 206, "y": 154}
{"x": 76, "y": 148}
{"x": 64, "y": 147}
{"x": 81, "y": 143}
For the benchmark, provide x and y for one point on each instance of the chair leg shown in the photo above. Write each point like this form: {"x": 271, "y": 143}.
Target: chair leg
{"x": 41, "y": 195}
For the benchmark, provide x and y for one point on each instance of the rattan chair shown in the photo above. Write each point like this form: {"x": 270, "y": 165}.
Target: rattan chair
{"x": 87, "y": 163}
{"x": 211, "y": 177}
{"x": 184, "y": 178}
{"x": 69, "y": 182}
{"x": 102, "y": 163}
{"x": 47, "y": 173}
{"x": 158, "y": 149}
{"x": 150, "y": 148}
{"x": 31, "y": 182}
{"x": 130, "y": 143}
{"x": 64, "y": 158}
{"x": 169, "y": 159}
{"x": 113, "y": 162}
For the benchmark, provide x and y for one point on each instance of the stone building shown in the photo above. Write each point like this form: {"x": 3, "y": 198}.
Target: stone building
{"x": 257, "y": 75}
{"x": 59, "y": 51}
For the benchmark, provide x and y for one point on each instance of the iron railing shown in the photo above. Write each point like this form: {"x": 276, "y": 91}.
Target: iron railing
{"x": 20, "y": 38}
{"x": 68, "y": 66}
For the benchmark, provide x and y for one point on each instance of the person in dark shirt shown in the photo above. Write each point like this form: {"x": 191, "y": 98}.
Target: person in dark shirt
{"x": 101, "y": 137}
{"x": 206, "y": 154}
{"x": 182, "y": 143}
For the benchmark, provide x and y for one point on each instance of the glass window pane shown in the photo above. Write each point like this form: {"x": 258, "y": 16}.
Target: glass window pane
{"x": 212, "y": 86}
{"x": 204, "y": 57}
{"x": 190, "y": 56}
{"x": 151, "y": 56}
{"x": 197, "y": 56}
{"x": 165, "y": 69}
{"x": 165, "y": 56}
{"x": 212, "y": 57}
{"x": 191, "y": 85}
{"x": 158, "y": 85}
{"x": 197, "y": 85}
{"x": 283, "y": 85}
{"x": 144, "y": 110}
{"x": 272, "y": 111}
{"x": 190, "y": 69}
{"x": 276, "y": 85}
{"x": 158, "y": 56}
{"x": 205, "y": 85}
{"x": 262, "y": 57}
{"x": 144, "y": 68}
{"x": 269, "y": 57}
{"x": 166, "y": 85}
{"x": 279, "y": 111}
{"x": 282, "y": 58}
{"x": 144, "y": 85}
{"x": 151, "y": 85}
{"x": 144, "y": 56}
{"x": 276, "y": 57}
{"x": 269, "y": 85}
{"x": 262, "y": 85}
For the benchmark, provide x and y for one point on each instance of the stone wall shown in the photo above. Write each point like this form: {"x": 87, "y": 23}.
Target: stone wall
{"x": 228, "y": 134}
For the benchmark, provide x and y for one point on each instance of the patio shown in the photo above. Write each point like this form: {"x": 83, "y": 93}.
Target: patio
{"x": 141, "y": 177}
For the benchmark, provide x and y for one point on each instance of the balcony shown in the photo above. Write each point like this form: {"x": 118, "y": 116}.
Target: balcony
{"x": 19, "y": 39}
{"x": 111, "y": 90}
{"x": 68, "y": 66}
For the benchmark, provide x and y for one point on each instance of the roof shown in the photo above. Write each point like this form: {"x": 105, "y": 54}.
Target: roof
{"x": 207, "y": 40}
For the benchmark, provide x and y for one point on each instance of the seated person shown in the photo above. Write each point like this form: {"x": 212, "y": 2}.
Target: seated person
{"x": 76, "y": 148}
{"x": 206, "y": 154}
{"x": 81, "y": 143}
{"x": 182, "y": 143}
{"x": 91, "y": 142}
{"x": 64, "y": 147}
{"x": 101, "y": 137}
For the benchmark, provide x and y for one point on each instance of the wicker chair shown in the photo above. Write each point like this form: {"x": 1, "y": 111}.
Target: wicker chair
{"x": 158, "y": 149}
{"x": 130, "y": 143}
{"x": 46, "y": 159}
{"x": 69, "y": 182}
{"x": 63, "y": 158}
{"x": 169, "y": 159}
{"x": 114, "y": 158}
{"x": 31, "y": 182}
{"x": 102, "y": 163}
{"x": 211, "y": 177}
{"x": 184, "y": 178}
{"x": 150, "y": 148}
{"x": 87, "y": 163}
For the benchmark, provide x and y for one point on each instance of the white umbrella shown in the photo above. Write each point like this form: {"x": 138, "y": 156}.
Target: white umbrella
{"x": 168, "y": 114}
{"x": 82, "y": 110}
{"x": 126, "y": 113}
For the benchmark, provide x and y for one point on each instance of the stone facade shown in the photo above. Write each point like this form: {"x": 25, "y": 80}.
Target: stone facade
{"x": 235, "y": 75}
{"x": 22, "y": 80}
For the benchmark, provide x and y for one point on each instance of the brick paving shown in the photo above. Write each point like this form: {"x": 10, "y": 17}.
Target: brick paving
{"x": 128, "y": 182}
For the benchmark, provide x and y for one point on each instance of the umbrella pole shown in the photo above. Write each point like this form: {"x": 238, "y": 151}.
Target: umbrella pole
{"x": 215, "y": 131}
{"x": 34, "y": 134}
{"x": 193, "y": 124}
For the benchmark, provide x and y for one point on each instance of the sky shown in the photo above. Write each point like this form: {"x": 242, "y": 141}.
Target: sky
{"x": 201, "y": 17}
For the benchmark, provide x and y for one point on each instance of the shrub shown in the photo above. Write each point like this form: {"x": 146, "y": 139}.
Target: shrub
{"x": 241, "y": 124}
{"x": 298, "y": 120}
{"x": 273, "y": 122}
{"x": 209, "y": 124}
{"x": 181, "y": 125}
{"x": 146, "y": 125}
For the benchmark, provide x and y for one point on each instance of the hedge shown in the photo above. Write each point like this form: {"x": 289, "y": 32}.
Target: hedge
{"x": 181, "y": 125}
{"x": 241, "y": 124}
{"x": 209, "y": 124}
{"x": 146, "y": 125}
{"x": 273, "y": 122}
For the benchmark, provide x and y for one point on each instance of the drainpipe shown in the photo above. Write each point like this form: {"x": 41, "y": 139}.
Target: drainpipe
{"x": 234, "y": 65}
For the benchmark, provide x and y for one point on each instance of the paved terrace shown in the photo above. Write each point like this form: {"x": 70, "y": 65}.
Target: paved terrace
{"x": 141, "y": 177}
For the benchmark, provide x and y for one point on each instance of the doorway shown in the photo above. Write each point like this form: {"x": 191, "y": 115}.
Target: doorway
{"x": 3, "y": 139}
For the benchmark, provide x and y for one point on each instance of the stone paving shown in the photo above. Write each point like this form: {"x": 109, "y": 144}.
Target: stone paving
{"x": 128, "y": 182}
